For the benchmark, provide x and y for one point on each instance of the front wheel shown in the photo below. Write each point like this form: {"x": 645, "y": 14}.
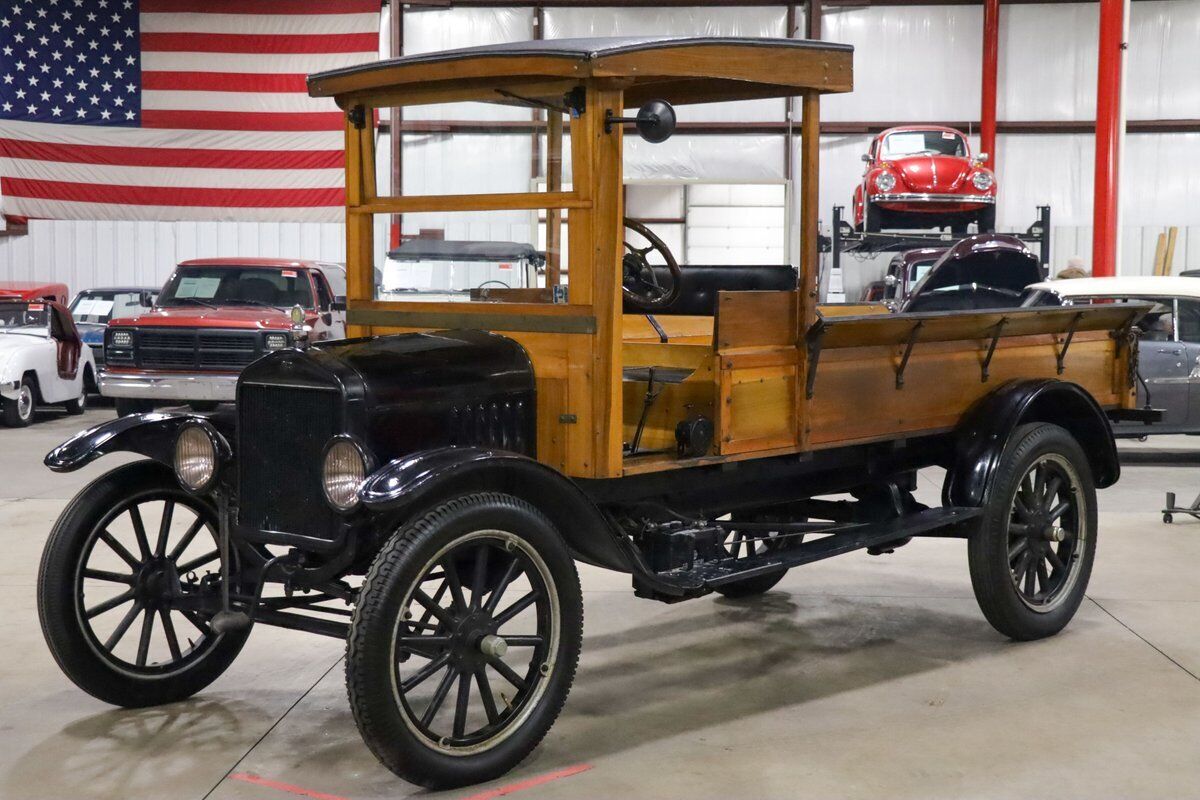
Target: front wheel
{"x": 1032, "y": 556}
{"x": 464, "y": 641}
{"x": 79, "y": 404}
{"x": 19, "y": 411}
{"x": 127, "y": 588}
{"x": 872, "y": 218}
{"x": 987, "y": 220}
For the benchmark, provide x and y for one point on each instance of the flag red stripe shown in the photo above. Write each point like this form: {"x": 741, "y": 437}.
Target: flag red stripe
{"x": 171, "y": 156}
{"x": 260, "y": 43}
{"x": 243, "y": 120}
{"x": 224, "y": 81}
{"x": 171, "y": 196}
{"x": 260, "y": 6}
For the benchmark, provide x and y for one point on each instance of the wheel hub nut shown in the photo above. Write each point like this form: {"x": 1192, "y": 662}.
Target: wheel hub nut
{"x": 493, "y": 646}
{"x": 1055, "y": 534}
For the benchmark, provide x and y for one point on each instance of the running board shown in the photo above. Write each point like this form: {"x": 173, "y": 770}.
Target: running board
{"x": 840, "y": 539}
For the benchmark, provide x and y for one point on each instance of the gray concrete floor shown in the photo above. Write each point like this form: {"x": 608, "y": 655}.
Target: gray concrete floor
{"x": 857, "y": 677}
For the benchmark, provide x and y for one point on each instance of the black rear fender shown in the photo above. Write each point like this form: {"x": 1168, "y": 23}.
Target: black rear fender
{"x": 985, "y": 430}
{"x": 422, "y": 480}
{"x": 151, "y": 435}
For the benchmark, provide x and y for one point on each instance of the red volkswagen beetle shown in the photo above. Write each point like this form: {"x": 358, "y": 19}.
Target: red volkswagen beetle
{"x": 924, "y": 176}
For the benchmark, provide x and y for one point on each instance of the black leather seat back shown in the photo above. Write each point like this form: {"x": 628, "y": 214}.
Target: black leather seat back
{"x": 698, "y": 295}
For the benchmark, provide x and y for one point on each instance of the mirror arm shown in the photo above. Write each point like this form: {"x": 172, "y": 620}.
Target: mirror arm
{"x": 611, "y": 119}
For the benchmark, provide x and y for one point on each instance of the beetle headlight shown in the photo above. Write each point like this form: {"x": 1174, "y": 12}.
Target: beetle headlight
{"x": 195, "y": 458}
{"x": 276, "y": 341}
{"x": 343, "y": 473}
{"x": 885, "y": 181}
{"x": 982, "y": 181}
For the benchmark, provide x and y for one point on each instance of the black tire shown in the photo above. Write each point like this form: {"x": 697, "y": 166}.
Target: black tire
{"x": 1168, "y": 518}
{"x": 1032, "y": 556}
{"x": 986, "y": 221}
{"x": 63, "y": 610}
{"x": 19, "y": 413}
{"x": 872, "y": 218}
{"x": 378, "y": 652}
{"x": 79, "y": 404}
{"x": 203, "y": 406}
{"x": 127, "y": 406}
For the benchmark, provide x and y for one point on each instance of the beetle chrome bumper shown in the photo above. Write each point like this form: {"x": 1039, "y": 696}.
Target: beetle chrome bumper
{"x": 920, "y": 197}
{"x": 169, "y": 385}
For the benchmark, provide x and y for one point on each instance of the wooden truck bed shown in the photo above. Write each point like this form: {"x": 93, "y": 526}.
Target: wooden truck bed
{"x": 852, "y": 378}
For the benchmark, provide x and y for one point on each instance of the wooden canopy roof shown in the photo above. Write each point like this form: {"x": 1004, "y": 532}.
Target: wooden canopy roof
{"x": 677, "y": 69}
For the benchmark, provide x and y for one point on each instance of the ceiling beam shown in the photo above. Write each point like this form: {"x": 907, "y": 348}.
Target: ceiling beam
{"x": 849, "y": 128}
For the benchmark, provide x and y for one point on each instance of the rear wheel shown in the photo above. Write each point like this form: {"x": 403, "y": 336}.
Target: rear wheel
{"x": 79, "y": 404}
{"x": 1032, "y": 556}
{"x": 127, "y": 406}
{"x": 125, "y": 579}
{"x": 19, "y": 412}
{"x": 464, "y": 641}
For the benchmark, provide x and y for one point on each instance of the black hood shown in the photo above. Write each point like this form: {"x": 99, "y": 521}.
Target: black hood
{"x": 994, "y": 260}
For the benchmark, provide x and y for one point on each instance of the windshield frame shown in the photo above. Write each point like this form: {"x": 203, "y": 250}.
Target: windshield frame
{"x": 884, "y": 155}
{"x": 27, "y": 330}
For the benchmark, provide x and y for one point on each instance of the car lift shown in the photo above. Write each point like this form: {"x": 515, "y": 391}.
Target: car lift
{"x": 845, "y": 239}
{"x": 1171, "y": 509}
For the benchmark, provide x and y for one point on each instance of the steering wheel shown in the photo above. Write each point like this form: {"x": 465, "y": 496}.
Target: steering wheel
{"x": 639, "y": 281}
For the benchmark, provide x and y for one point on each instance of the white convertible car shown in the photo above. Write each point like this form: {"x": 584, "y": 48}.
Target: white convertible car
{"x": 42, "y": 360}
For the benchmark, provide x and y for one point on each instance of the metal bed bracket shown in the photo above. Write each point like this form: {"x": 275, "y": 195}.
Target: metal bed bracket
{"x": 908, "y": 348}
{"x": 1061, "y": 356}
{"x": 987, "y": 360}
{"x": 812, "y": 340}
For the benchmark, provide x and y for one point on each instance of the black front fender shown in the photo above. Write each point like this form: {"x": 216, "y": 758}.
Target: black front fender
{"x": 985, "y": 430}
{"x": 151, "y": 435}
{"x": 424, "y": 479}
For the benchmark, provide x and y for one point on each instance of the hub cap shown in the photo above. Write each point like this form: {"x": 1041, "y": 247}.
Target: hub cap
{"x": 25, "y": 402}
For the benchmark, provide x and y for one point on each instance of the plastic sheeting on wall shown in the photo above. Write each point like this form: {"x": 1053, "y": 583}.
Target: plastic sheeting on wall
{"x": 770, "y": 21}
{"x": 1048, "y": 61}
{"x": 447, "y": 29}
{"x": 711, "y": 158}
{"x": 910, "y": 62}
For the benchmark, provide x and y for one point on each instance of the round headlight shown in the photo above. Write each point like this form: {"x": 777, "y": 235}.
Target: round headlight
{"x": 885, "y": 181}
{"x": 342, "y": 474}
{"x": 982, "y": 181}
{"x": 195, "y": 458}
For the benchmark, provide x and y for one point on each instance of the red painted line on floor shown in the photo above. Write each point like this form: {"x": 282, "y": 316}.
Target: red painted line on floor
{"x": 300, "y": 791}
{"x": 529, "y": 784}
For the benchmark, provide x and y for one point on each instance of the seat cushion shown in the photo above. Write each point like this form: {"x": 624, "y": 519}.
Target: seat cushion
{"x": 698, "y": 294}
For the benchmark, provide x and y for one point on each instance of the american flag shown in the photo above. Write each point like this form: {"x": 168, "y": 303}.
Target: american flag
{"x": 175, "y": 109}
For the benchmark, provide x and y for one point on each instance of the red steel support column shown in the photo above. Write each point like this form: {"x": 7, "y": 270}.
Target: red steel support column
{"x": 395, "y": 140}
{"x": 1109, "y": 132}
{"x": 987, "y": 94}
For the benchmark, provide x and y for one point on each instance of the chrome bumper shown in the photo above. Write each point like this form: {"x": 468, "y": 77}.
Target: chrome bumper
{"x": 169, "y": 386}
{"x": 919, "y": 197}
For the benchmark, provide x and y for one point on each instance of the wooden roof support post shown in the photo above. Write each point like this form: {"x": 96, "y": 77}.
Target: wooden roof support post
{"x": 606, "y": 236}
{"x": 554, "y": 134}
{"x": 810, "y": 144}
{"x": 360, "y": 267}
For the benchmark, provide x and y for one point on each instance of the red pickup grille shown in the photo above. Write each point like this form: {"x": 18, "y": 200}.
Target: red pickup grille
{"x": 192, "y": 349}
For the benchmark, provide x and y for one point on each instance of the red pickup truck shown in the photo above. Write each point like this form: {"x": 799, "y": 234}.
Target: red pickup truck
{"x": 213, "y": 317}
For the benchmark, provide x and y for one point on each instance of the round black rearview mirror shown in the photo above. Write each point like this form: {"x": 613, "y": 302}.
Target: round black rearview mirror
{"x": 656, "y": 121}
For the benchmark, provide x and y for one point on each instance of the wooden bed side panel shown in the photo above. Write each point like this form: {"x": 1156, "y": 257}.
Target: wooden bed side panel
{"x": 855, "y": 396}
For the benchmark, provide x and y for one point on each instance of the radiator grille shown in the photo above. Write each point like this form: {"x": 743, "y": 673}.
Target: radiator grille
{"x": 195, "y": 350}
{"x": 282, "y": 433}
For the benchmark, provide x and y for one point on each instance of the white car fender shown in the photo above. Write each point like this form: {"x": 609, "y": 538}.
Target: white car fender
{"x": 21, "y": 354}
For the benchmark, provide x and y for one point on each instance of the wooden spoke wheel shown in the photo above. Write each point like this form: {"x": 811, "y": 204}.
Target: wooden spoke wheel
{"x": 129, "y": 581}
{"x": 1032, "y": 554}
{"x": 464, "y": 642}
